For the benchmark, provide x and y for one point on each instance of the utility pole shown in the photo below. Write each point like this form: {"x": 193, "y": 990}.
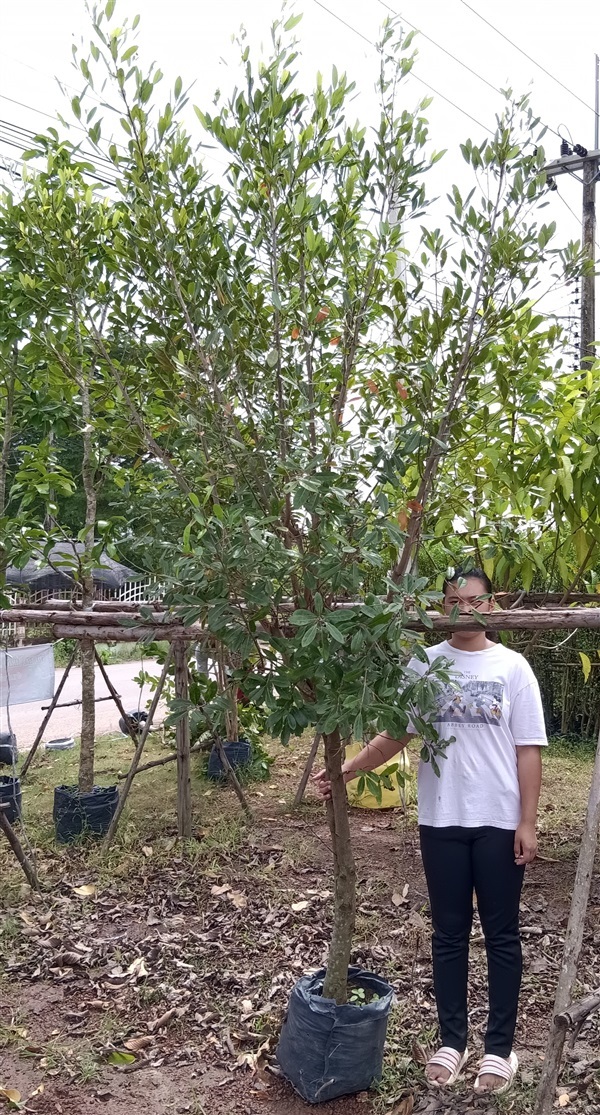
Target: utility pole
{"x": 588, "y": 162}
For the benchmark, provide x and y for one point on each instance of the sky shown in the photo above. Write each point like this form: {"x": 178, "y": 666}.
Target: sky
{"x": 193, "y": 38}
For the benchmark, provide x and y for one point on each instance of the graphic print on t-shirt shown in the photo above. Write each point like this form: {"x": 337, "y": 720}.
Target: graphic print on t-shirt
{"x": 475, "y": 703}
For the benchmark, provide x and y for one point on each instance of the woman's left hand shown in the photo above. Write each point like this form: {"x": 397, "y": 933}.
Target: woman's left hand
{"x": 525, "y": 843}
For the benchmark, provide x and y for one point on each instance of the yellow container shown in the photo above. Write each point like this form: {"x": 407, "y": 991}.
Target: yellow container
{"x": 390, "y": 799}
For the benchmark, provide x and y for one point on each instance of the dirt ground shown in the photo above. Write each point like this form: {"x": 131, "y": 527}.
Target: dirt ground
{"x": 156, "y": 978}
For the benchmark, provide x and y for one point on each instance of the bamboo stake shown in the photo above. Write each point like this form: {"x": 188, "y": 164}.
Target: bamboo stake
{"x": 232, "y": 777}
{"x": 546, "y": 1093}
{"x": 195, "y": 750}
{"x": 116, "y": 698}
{"x": 310, "y": 762}
{"x": 17, "y": 848}
{"x": 182, "y": 735}
{"x": 108, "y": 839}
{"x": 51, "y": 707}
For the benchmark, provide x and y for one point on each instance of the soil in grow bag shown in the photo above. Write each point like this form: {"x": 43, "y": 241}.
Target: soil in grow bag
{"x": 78, "y": 814}
{"x": 326, "y": 1050}
{"x": 238, "y": 752}
{"x": 10, "y": 794}
{"x": 8, "y": 749}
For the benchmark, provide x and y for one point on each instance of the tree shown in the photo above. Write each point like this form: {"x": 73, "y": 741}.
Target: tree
{"x": 269, "y": 306}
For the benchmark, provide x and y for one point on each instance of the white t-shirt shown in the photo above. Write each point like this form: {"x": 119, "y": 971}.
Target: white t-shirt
{"x": 497, "y": 709}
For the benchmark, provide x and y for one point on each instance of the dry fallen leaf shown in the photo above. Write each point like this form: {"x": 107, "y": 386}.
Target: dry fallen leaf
{"x": 398, "y": 899}
{"x": 86, "y": 891}
{"x": 10, "y": 1094}
{"x": 147, "y": 851}
{"x": 138, "y": 968}
{"x": 216, "y": 891}
{"x": 563, "y": 1100}
{"x": 404, "y": 1107}
{"x": 418, "y": 1053}
{"x": 247, "y": 1006}
{"x": 239, "y": 900}
{"x": 37, "y": 1091}
{"x": 297, "y": 906}
{"x": 135, "y": 1044}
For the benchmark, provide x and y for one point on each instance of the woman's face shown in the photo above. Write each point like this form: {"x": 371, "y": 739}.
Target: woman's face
{"x": 471, "y": 595}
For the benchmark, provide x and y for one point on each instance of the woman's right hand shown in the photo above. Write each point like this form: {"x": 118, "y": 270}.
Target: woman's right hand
{"x": 322, "y": 784}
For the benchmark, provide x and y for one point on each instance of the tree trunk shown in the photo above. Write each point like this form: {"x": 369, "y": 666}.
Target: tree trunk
{"x": 344, "y": 870}
{"x": 7, "y": 434}
{"x": 546, "y": 1093}
{"x": 88, "y": 716}
{"x": 88, "y": 659}
{"x": 182, "y": 734}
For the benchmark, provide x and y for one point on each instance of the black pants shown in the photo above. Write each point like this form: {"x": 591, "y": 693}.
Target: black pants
{"x": 456, "y": 862}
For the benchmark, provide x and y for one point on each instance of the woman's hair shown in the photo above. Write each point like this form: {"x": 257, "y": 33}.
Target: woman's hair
{"x": 464, "y": 574}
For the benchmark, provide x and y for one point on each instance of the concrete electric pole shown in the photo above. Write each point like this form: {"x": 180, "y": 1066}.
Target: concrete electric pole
{"x": 588, "y": 162}
{"x": 579, "y": 158}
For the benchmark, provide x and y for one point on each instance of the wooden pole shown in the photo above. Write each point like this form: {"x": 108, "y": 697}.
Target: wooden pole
{"x": 310, "y": 762}
{"x": 51, "y": 707}
{"x": 135, "y": 735}
{"x": 17, "y": 848}
{"x": 546, "y": 1093}
{"x": 232, "y": 776}
{"x": 170, "y": 758}
{"x": 108, "y": 839}
{"x": 182, "y": 736}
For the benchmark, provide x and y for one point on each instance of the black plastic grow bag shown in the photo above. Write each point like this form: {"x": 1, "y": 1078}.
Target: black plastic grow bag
{"x": 10, "y": 794}
{"x": 78, "y": 814}
{"x": 8, "y": 749}
{"x": 326, "y": 1050}
{"x": 238, "y": 753}
{"x": 136, "y": 718}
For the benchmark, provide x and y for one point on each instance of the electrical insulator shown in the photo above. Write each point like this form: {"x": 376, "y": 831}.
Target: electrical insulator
{"x": 564, "y": 149}
{"x": 579, "y": 150}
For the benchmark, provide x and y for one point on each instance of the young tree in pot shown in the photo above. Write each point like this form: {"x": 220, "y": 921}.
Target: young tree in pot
{"x": 271, "y": 299}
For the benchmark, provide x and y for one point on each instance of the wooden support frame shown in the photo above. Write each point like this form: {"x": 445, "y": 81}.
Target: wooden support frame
{"x": 546, "y": 1094}
{"x": 116, "y": 698}
{"x": 108, "y": 839}
{"x": 310, "y": 762}
{"x": 17, "y": 848}
{"x": 51, "y": 707}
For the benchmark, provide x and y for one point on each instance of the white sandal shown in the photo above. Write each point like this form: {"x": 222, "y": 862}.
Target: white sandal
{"x": 449, "y": 1059}
{"x": 504, "y": 1067}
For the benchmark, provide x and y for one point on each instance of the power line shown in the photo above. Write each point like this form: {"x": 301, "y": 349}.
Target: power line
{"x": 454, "y": 57}
{"x": 528, "y": 56}
{"x": 412, "y": 73}
{"x": 52, "y": 116}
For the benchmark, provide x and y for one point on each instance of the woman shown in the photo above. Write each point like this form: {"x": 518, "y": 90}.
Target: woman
{"x": 477, "y": 824}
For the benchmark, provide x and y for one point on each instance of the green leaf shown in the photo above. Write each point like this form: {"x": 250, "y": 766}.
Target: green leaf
{"x": 301, "y": 618}
{"x": 292, "y": 22}
{"x": 109, "y": 9}
{"x": 586, "y": 665}
{"x": 272, "y": 358}
{"x": 117, "y": 1057}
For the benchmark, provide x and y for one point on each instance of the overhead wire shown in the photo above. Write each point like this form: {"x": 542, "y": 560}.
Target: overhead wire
{"x": 412, "y": 74}
{"x": 454, "y": 57}
{"x": 528, "y": 56}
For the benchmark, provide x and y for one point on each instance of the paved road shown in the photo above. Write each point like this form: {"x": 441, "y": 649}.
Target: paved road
{"x": 26, "y": 719}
